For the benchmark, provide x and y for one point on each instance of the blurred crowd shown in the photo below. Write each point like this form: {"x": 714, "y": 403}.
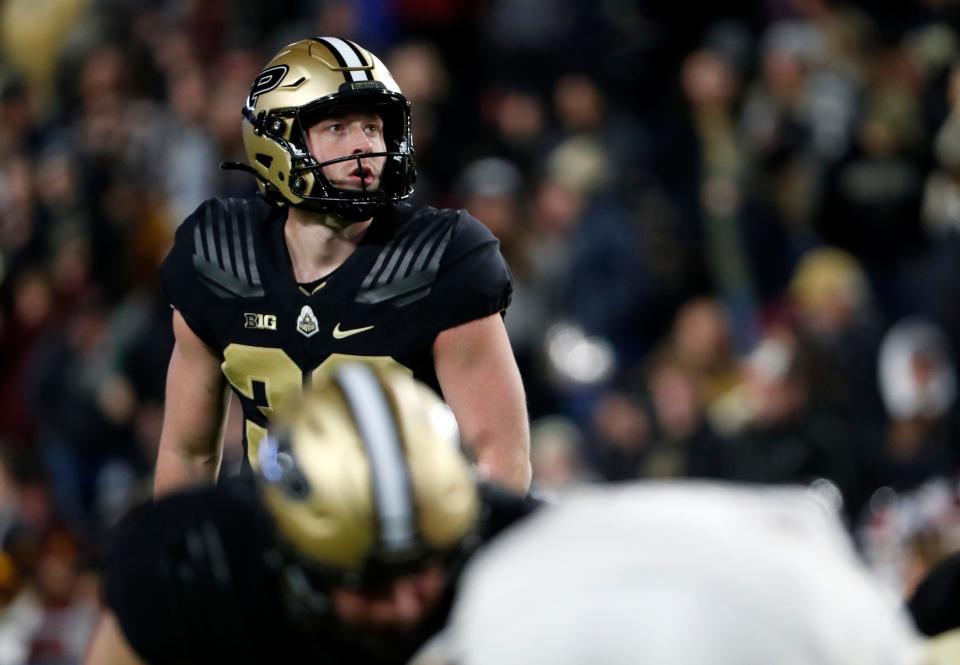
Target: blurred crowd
{"x": 735, "y": 240}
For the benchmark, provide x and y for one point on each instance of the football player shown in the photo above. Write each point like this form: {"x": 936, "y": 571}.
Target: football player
{"x": 364, "y": 511}
{"x": 328, "y": 264}
{"x": 678, "y": 572}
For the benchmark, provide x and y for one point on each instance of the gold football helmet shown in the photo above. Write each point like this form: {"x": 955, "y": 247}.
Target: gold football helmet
{"x": 305, "y": 82}
{"x": 366, "y": 478}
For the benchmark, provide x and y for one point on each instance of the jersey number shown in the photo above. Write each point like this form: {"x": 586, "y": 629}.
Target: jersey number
{"x": 269, "y": 378}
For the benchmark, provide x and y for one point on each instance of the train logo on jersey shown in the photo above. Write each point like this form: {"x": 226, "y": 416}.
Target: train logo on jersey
{"x": 307, "y": 322}
{"x": 259, "y": 321}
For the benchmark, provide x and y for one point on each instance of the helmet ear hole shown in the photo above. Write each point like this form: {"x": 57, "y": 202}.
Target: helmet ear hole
{"x": 266, "y": 160}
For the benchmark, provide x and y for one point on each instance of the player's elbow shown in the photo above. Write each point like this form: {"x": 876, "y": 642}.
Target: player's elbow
{"x": 194, "y": 450}
{"x": 504, "y": 461}
{"x": 185, "y": 462}
{"x": 524, "y": 473}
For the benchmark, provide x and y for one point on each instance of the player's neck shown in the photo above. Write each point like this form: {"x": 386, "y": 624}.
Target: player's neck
{"x": 318, "y": 244}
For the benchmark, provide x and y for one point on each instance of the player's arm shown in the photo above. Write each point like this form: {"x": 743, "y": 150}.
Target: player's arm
{"x": 481, "y": 383}
{"x": 108, "y": 646}
{"x": 191, "y": 443}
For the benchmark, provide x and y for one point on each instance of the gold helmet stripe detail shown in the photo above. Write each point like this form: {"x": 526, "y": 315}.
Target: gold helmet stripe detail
{"x": 388, "y": 469}
{"x": 355, "y": 67}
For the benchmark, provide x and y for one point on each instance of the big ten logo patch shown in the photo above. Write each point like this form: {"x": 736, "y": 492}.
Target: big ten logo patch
{"x": 260, "y": 321}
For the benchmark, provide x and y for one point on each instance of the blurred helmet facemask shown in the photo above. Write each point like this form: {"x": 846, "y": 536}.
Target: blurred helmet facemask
{"x": 308, "y": 81}
{"x": 366, "y": 483}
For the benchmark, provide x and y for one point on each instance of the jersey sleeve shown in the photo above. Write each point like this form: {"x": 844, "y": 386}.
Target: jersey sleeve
{"x": 473, "y": 280}
{"x": 184, "y": 579}
{"x": 135, "y": 584}
{"x": 180, "y": 280}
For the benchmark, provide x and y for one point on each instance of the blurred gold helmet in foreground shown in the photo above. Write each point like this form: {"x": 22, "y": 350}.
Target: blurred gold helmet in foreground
{"x": 366, "y": 478}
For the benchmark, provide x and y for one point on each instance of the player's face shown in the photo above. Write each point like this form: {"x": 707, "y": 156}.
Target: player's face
{"x": 397, "y": 608}
{"x": 349, "y": 134}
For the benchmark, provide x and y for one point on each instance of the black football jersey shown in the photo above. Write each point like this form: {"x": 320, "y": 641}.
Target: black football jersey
{"x": 196, "y": 578}
{"x": 417, "y": 272}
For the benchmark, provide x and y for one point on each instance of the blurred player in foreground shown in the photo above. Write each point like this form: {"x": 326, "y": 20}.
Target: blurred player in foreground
{"x": 665, "y": 574}
{"x": 364, "y": 512}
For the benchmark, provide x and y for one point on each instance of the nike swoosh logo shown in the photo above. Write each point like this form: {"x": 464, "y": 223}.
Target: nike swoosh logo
{"x": 340, "y": 334}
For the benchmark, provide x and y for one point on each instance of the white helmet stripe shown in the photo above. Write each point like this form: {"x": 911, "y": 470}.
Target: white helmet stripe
{"x": 349, "y": 57}
{"x": 388, "y": 469}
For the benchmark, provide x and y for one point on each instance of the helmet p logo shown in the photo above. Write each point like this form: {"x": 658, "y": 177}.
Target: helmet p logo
{"x": 266, "y": 81}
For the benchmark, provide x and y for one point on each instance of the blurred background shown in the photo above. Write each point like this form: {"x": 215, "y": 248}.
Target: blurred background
{"x": 734, "y": 234}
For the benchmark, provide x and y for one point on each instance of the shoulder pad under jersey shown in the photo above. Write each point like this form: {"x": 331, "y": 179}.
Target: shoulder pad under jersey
{"x": 407, "y": 266}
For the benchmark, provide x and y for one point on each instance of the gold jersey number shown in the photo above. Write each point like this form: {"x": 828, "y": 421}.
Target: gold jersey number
{"x": 269, "y": 378}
